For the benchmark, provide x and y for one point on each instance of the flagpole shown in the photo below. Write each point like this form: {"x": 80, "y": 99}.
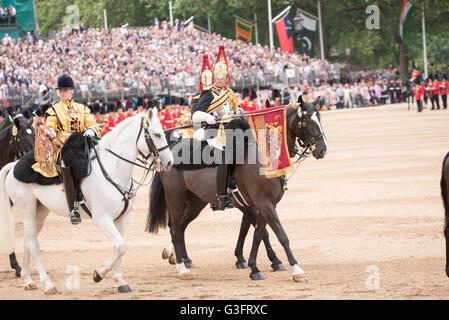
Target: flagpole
{"x": 321, "y": 31}
{"x": 171, "y": 12}
{"x": 255, "y": 27}
{"x": 424, "y": 39}
{"x": 270, "y": 27}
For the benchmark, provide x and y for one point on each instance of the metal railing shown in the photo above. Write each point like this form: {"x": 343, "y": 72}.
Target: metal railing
{"x": 177, "y": 85}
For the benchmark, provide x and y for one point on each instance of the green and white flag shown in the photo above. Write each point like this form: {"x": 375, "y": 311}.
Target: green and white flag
{"x": 406, "y": 14}
{"x": 306, "y": 34}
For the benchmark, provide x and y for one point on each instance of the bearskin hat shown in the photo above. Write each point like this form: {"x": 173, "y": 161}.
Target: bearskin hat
{"x": 245, "y": 93}
{"x": 253, "y": 95}
{"x": 276, "y": 94}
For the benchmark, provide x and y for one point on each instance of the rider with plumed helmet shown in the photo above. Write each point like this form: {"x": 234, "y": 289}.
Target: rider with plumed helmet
{"x": 63, "y": 119}
{"x": 217, "y": 101}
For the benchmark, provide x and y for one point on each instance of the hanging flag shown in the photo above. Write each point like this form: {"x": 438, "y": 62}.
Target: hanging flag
{"x": 306, "y": 34}
{"x": 284, "y": 29}
{"x": 406, "y": 14}
{"x": 243, "y": 31}
{"x": 269, "y": 129}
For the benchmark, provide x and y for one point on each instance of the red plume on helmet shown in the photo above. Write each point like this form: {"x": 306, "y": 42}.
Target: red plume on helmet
{"x": 222, "y": 57}
{"x": 206, "y": 66}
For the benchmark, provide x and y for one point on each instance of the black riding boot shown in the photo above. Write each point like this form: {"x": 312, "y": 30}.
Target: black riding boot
{"x": 70, "y": 193}
{"x": 224, "y": 198}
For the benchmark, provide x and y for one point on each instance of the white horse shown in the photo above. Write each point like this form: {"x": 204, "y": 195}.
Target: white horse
{"x": 141, "y": 134}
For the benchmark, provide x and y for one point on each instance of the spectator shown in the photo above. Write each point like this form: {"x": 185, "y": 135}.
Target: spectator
{"x": 12, "y": 14}
{"x": 6, "y": 41}
{"x": 29, "y": 37}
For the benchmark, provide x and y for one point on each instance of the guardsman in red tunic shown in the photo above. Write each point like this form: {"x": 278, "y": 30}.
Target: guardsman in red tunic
{"x": 169, "y": 118}
{"x": 415, "y": 72}
{"x": 253, "y": 105}
{"x": 429, "y": 91}
{"x": 120, "y": 115}
{"x": 443, "y": 86}
{"x": 419, "y": 93}
{"x": 436, "y": 91}
{"x": 245, "y": 100}
{"x": 109, "y": 119}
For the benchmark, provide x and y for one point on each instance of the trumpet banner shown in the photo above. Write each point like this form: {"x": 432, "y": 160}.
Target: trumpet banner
{"x": 269, "y": 127}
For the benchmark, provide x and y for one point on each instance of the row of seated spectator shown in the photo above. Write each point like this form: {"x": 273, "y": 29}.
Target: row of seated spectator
{"x": 7, "y": 16}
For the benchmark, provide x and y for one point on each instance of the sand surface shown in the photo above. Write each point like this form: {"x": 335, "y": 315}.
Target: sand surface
{"x": 365, "y": 222}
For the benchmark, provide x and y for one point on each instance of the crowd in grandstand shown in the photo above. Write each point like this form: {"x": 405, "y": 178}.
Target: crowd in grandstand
{"x": 115, "y": 60}
{"x": 7, "y": 15}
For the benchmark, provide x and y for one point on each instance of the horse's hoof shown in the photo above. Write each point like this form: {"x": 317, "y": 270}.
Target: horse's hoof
{"x": 51, "y": 291}
{"x": 278, "y": 267}
{"x": 241, "y": 265}
{"x": 186, "y": 276}
{"x": 257, "y": 276}
{"x": 188, "y": 264}
{"x": 165, "y": 255}
{"x": 31, "y": 286}
{"x": 172, "y": 259}
{"x": 97, "y": 277}
{"x": 300, "y": 278}
{"x": 18, "y": 272}
{"x": 124, "y": 289}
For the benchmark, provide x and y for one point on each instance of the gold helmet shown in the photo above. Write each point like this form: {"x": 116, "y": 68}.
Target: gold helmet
{"x": 221, "y": 70}
{"x": 206, "y": 78}
{"x": 206, "y": 74}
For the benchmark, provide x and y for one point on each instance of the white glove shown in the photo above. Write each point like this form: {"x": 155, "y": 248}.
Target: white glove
{"x": 200, "y": 116}
{"x": 90, "y": 133}
{"x": 199, "y": 134}
{"x": 52, "y": 133}
{"x": 240, "y": 111}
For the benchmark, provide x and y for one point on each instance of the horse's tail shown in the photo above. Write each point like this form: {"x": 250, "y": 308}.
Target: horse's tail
{"x": 7, "y": 229}
{"x": 157, "y": 215}
{"x": 444, "y": 194}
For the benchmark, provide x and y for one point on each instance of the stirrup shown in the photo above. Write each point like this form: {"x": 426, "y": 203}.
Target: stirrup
{"x": 75, "y": 217}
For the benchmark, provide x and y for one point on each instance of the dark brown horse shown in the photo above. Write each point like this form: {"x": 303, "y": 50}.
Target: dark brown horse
{"x": 16, "y": 140}
{"x": 184, "y": 193}
{"x": 445, "y": 194}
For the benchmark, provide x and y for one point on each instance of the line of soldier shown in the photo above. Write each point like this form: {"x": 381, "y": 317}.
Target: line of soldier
{"x": 430, "y": 90}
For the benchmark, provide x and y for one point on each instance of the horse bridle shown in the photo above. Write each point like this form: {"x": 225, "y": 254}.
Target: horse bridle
{"x": 307, "y": 145}
{"x": 125, "y": 192}
{"x": 18, "y": 150}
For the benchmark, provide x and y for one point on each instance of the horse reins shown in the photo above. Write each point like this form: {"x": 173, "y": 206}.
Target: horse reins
{"x": 128, "y": 194}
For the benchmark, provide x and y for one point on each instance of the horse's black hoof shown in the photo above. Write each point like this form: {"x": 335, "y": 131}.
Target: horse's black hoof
{"x": 188, "y": 263}
{"x": 447, "y": 271}
{"x": 278, "y": 267}
{"x": 241, "y": 265}
{"x": 124, "y": 289}
{"x": 257, "y": 276}
{"x": 97, "y": 277}
{"x": 18, "y": 272}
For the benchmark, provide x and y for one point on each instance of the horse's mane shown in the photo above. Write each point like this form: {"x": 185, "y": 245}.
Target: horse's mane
{"x": 108, "y": 140}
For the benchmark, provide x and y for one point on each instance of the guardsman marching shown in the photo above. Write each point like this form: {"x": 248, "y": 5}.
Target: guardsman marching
{"x": 63, "y": 119}
{"x": 443, "y": 86}
{"x": 217, "y": 101}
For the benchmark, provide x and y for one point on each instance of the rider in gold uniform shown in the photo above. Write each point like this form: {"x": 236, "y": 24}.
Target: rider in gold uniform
{"x": 63, "y": 119}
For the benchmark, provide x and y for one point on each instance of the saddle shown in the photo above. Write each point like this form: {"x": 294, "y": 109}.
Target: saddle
{"x": 75, "y": 154}
{"x": 192, "y": 154}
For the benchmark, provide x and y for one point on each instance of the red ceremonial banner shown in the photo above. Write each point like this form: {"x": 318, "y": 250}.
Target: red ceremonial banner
{"x": 269, "y": 128}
